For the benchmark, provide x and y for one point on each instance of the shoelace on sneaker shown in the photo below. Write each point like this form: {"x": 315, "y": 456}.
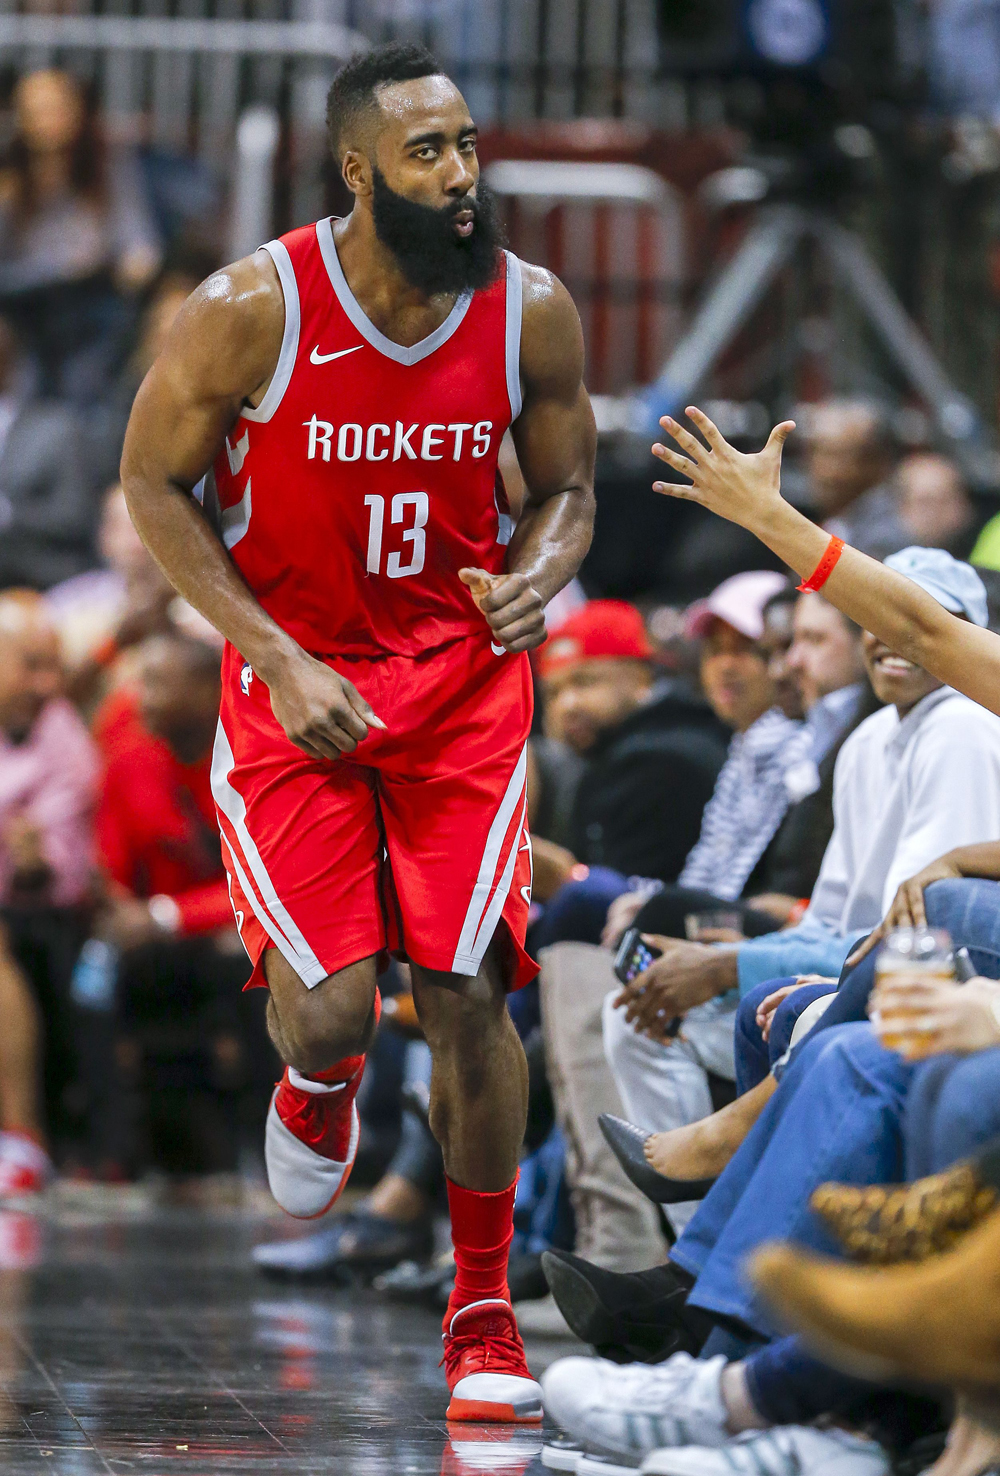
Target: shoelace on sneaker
{"x": 651, "y": 1385}
{"x": 502, "y": 1349}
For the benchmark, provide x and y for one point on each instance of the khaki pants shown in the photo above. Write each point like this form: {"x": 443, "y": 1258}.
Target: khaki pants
{"x": 666, "y": 1086}
{"x": 616, "y": 1226}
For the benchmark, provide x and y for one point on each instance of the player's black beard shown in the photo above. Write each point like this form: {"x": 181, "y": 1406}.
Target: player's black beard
{"x": 423, "y": 240}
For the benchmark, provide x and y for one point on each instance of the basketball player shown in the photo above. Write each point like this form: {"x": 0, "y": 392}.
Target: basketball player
{"x": 351, "y": 384}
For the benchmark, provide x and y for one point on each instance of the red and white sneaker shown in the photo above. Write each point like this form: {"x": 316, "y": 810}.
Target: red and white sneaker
{"x": 311, "y": 1142}
{"x": 485, "y": 1367}
{"x": 25, "y": 1167}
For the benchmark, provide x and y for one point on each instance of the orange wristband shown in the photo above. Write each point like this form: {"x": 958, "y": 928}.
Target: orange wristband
{"x": 824, "y": 568}
{"x": 107, "y": 652}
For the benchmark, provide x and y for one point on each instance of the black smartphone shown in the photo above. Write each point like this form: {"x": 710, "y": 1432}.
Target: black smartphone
{"x": 633, "y": 957}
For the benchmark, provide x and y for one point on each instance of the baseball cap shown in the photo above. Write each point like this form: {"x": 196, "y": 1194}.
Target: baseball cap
{"x": 600, "y": 630}
{"x": 738, "y": 601}
{"x": 954, "y": 584}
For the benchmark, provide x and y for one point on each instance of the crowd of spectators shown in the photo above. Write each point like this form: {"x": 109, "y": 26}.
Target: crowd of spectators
{"x": 128, "y": 1044}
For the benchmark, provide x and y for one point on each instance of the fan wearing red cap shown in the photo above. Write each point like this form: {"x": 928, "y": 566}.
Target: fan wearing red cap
{"x": 596, "y": 669}
{"x": 652, "y": 749}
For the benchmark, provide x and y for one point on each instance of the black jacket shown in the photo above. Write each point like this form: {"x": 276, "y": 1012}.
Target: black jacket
{"x": 639, "y": 803}
{"x": 793, "y": 858}
{"x": 792, "y": 861}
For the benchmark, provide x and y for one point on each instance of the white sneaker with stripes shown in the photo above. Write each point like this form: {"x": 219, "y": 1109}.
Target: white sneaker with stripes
{"x": 633, "y": 1409}
{"x": 787, "y": 1450}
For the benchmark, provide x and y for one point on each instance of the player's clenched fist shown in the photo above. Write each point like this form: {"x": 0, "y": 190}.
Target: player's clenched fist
{"x": 513, "y": 609}
{"x": 322, "y": 713}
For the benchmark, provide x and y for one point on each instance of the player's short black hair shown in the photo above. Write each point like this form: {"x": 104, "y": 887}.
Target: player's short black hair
{"x": 353, "y": 90}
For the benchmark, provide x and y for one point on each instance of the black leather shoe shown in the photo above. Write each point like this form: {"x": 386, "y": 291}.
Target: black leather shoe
{"x": 637, "y": 1316}
{"x": 627, "y": 1143}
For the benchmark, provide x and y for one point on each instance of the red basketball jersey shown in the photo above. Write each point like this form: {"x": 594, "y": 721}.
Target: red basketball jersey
{"x": 367, "y": 477}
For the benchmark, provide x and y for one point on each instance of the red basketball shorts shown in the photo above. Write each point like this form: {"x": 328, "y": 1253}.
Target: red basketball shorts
{"x": 416, "y": 843}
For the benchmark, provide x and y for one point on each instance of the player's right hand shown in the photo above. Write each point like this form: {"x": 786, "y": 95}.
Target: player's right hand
{"x": 321, "y": 712}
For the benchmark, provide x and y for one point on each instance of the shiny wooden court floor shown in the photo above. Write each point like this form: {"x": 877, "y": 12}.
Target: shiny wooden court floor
{"x": 144, "y": 1342}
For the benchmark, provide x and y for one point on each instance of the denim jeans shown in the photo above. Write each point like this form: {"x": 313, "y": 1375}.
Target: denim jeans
{"x": 837, "y": 1115}
{"x": 947, "y": 1107}
{"x": 952, "y": 1108}
{"x": 968, "y": 909}
{"x": 841, "y": 1113}
{"x": 756, "y": 1056}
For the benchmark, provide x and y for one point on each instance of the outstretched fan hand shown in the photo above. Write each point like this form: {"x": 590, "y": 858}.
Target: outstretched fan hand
{"x": 737, "y": 486}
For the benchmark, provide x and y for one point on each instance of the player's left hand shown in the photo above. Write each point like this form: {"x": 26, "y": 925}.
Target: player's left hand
{"x": 513, "y": 609}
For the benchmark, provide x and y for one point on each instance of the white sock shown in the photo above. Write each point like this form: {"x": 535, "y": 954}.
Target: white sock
{"x": 317, "y": 1088}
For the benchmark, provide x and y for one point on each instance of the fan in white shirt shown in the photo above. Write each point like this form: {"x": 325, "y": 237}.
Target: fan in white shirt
{"x": 912, "y": 782}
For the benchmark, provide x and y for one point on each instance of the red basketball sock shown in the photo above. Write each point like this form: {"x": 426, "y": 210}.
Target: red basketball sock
{"x": 350, "y": 1066}
{"x": 482, "y": 1228}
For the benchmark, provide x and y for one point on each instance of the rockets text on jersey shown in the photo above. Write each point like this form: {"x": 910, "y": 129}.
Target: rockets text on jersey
{"x": 367, "y": 476}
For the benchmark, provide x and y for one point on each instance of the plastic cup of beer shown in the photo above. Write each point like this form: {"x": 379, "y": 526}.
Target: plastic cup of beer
{"x": 923, "y": 953}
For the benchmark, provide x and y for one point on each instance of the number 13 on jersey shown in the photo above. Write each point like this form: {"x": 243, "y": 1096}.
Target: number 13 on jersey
{"x": 414, "y": 534}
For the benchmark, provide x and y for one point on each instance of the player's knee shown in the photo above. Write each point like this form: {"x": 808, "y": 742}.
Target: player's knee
{"x": 464, "y": 1030}
{"x": 334, "y": 1020}
{"x": 459, "y": 1017}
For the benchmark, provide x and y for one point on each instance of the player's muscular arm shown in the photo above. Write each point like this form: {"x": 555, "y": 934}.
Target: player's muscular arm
{"x": 556, "y": 440}
{"x": 220, "y": 354}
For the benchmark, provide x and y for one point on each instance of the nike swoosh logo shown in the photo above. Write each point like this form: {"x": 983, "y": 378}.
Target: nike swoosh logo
{"x": 317, "y": 358}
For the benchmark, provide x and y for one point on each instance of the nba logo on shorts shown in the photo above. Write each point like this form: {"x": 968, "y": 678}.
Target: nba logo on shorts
{"x": 246, "y": 677}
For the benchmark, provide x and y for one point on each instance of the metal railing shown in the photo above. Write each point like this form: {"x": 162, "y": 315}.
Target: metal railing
{"x": 178, "y": 74}
{"x": 614, "y": 233}
{"x": 515, "y": 59}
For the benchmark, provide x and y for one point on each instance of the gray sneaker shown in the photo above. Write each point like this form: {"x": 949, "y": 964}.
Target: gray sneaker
{"x": 356, "y": 1242}
{"x": 633, "y": 1409}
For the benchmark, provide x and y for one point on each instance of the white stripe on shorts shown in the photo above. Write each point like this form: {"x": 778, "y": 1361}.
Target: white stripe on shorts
{"x": 488, "y": 925}
{"x": 477, "y": 930}
{"x": 283, "y": 930}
